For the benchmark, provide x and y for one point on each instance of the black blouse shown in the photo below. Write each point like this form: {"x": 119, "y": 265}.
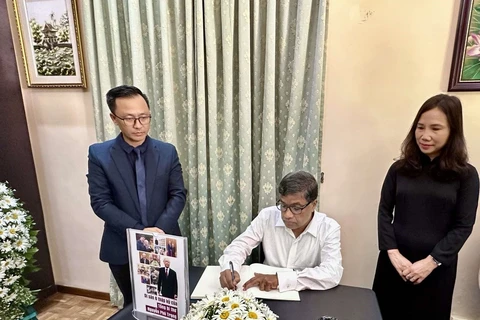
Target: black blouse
{"x": 421, "y": 215}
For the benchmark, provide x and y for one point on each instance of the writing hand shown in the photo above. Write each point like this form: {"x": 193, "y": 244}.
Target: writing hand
{"x": 265, "y": 282}
{"x": 226, "y": 279}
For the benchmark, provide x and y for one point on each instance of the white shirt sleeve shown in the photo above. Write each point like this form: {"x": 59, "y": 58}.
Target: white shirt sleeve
{"x": 242, "y": 246}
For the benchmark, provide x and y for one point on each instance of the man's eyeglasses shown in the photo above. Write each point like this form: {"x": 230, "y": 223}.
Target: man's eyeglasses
{"x": 294, "y": 209}
{"x": 130, "y": 121}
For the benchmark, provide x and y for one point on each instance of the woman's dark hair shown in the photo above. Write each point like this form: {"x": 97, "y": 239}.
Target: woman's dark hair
{"x": 453, "y": 156}
{"x": 122, "y": 92}
{"x": 299, "y": 181}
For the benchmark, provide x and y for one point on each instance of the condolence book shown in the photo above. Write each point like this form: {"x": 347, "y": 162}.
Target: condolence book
{"x": 209, "y": 283}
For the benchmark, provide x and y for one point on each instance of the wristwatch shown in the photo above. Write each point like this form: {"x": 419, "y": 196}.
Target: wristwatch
{"x": 438, "y": 263}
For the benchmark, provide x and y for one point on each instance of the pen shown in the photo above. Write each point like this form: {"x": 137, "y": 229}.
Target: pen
{"x": 232, "y": 271}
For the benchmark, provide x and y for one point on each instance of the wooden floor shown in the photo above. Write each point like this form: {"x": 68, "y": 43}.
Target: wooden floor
{"x": 71, "y": 307}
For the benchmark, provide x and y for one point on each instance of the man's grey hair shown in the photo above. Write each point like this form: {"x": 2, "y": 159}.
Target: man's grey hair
{"x": 299, "y": 181}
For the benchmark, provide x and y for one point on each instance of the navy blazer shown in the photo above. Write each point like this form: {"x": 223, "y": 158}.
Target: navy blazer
{"x": 113, "y": 193}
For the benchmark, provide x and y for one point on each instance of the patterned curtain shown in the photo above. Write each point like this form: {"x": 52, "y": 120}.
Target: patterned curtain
{"x": 236, "y": 86}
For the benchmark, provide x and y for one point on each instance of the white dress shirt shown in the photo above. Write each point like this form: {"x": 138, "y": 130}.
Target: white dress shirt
{"x": 315, "y": 255}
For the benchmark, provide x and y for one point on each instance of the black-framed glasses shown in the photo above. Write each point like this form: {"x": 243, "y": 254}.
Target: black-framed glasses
{"x": 293, "y": 209}
{"x": 130, "y": 121}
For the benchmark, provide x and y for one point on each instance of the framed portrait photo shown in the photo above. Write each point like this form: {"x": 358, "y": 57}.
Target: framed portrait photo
{"x": 50, "y": 41}
{"x": 465, "y": 70}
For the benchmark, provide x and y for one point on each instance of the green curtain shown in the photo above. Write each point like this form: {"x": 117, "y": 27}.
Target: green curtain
{"x": 236, "y": 86}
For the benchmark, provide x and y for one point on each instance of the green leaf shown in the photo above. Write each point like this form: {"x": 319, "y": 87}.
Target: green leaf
{"x": 471, "y": 69}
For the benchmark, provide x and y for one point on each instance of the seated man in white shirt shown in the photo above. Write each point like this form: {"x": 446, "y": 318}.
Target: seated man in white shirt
{"x": 293, "y": 235}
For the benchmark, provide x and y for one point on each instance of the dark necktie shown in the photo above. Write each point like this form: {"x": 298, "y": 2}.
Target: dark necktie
{"x": 166, "y": 273}
{"x": 141, "y": 189}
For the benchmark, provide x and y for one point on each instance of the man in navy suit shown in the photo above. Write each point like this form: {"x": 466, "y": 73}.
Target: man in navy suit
{"x": 134, "y": 182}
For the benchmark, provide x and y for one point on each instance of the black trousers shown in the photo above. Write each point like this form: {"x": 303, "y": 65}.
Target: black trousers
{"x": 121, "y": 273}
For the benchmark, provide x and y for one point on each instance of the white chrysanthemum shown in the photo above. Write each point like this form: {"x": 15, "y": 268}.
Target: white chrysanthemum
{"x": 17, "y": 215}
{"x": 271, "y": 316}
{"x": 20, "y": 263}
{"x": 3, "y": 292}
{"x": 3, "y": 233}
{"x": 227, "y": 314}
{"x": 7, "y": 264}
{"x": 20, "y": 244}
{"x": 230, "y": 305}
{"x": 15, "y": 240}
{"x": 11, "y": 297}
{"x": 3, "y": 188}
{"x": 226, "y": 296}
{"x": 237, "y": 303}
{"x": 22, "y": 231}
{"x": 4, "y": 204}
{"x": 6, "y": 246}
{"x": 10, "y": 202}
{"x": 208, "y": 301}
{"x": 12, "y": 232}
{"x": 11, "y": 280}
{"x": 254, "y": 313}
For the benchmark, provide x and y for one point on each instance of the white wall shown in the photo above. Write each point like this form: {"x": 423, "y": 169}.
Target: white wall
{"x": 384, "y": 59}
{"x": 61, "y": 127}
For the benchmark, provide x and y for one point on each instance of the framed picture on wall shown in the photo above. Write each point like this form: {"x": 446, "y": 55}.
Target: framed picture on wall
{"x": 49, "y": 37}
{"x": 465, "y": 70}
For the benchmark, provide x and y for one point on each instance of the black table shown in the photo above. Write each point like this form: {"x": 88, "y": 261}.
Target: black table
{"x": 343, "y": 302}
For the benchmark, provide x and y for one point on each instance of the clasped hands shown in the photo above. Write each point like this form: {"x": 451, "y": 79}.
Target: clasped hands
{"x": 413, "y": 272}
{"x": 264, "y": 282}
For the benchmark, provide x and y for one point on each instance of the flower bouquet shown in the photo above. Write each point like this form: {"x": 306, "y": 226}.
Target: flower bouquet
{"x": 230, "y": 305}
{"x": 17, "y": 240}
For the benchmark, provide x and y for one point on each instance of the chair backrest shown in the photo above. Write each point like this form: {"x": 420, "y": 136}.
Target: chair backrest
{"x": 257, "y": 256}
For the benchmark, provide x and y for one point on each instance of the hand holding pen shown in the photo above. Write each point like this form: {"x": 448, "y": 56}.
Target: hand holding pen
{"x": 229, "y": 278}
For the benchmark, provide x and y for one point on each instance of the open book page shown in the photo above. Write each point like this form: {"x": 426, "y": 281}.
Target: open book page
{"x": 209, "y": 283}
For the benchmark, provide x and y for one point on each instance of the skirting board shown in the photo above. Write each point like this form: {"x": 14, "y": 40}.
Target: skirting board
{"x": 457, "y": 318}
{"x": 84, "y": 292}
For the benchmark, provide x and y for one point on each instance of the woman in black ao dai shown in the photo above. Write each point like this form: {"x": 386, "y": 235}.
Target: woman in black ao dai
{"x": 426, "y": 213}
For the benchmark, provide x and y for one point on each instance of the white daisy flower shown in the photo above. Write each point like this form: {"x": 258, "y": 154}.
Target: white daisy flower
{"x": 11, "y": 297}
{"x": 7, "y": 264}
{"x": 230, "y": 305}
{"x": 236, "y": 303}
{"x": 227, "y": 296}
{"x": 254, "y": 313}
{"x": 3, "y": 292}
{"x": 11, "y": 280}
{"x": 2, "y": 273}
{"x": 20, "y": 263}
{"x": 12, "y": 232}
{"x": 17, "y": 215}
{"x": 6, "y": 246}
{"x": 10, "y": 202}
{"x": 226, "y": 314}
{"x": 3, "y": 188}
{"x": 4, "y": 204}
{"x": 20, "y": 244}
{"x": 3, "y": 234}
